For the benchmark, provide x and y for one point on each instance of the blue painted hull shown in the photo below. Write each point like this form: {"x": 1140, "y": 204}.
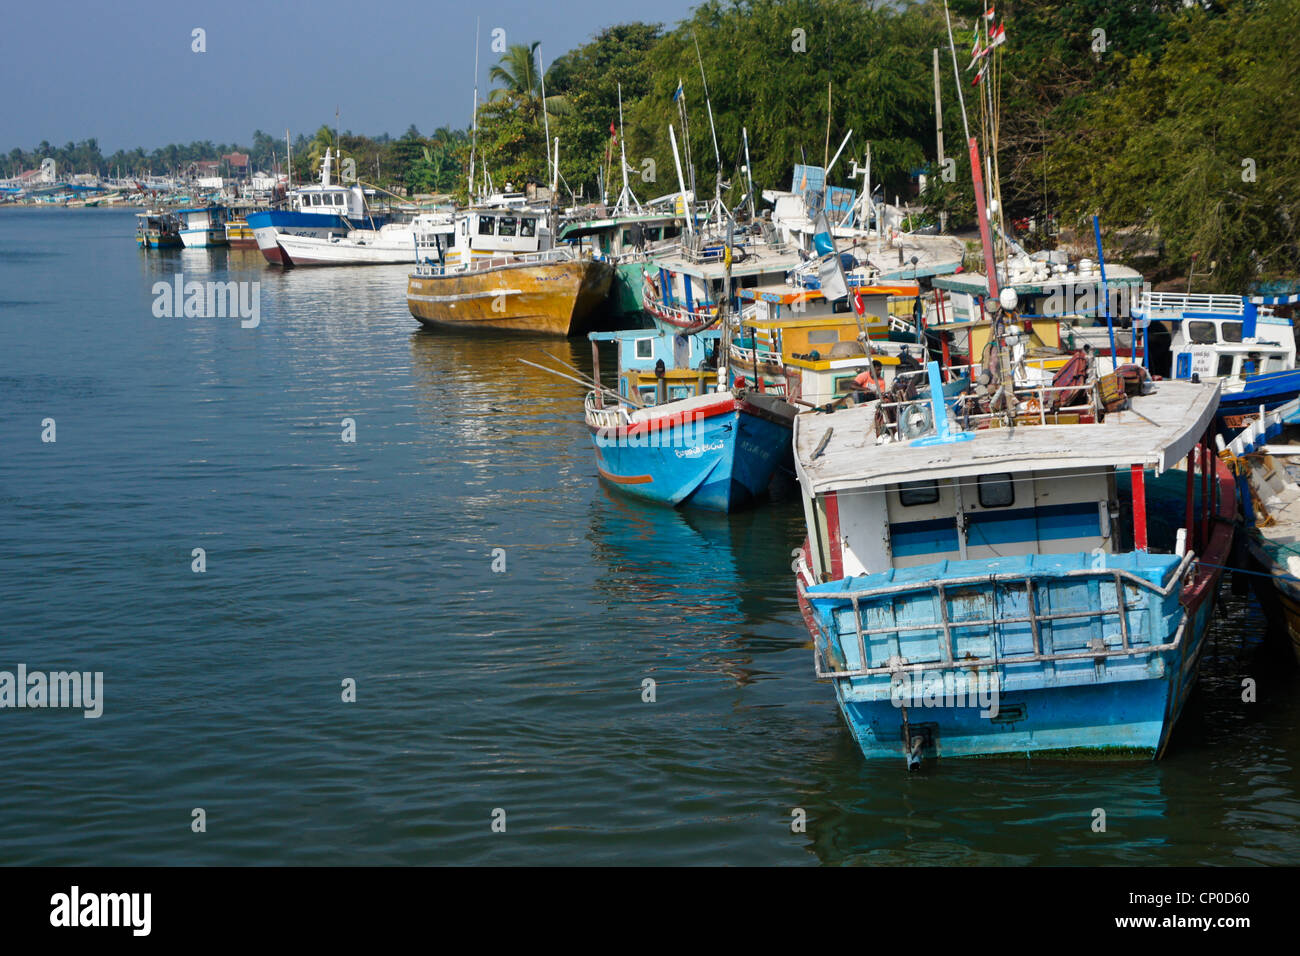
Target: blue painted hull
{"x": 723, "y": 462}
{"x": 1080, "y": 703}
{"x": 1270, "y": 390}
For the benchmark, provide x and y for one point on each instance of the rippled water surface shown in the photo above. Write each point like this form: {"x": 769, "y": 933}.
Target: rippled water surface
{"x": 476, "y": 690}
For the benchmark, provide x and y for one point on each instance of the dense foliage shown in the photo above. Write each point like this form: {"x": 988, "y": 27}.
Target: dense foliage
{"x": 1173, "y": 121}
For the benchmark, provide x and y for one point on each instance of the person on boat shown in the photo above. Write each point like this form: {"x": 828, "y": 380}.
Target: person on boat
{"x": 869, "y": 384}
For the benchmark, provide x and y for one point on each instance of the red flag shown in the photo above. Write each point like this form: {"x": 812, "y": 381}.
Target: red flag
{"x": 988, "y": 14}
{"x": 612, "y": 131}
{"x": 858, "y": 304}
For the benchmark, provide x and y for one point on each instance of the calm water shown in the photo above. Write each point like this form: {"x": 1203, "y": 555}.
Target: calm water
{"x": 476, "y": 690}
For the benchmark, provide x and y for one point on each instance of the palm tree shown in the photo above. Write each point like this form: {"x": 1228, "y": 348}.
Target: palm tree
{"x": 522, "y": 81}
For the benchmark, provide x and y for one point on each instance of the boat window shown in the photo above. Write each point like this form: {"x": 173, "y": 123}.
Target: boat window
{"x": 911, "y": 493}
{"x": 527, "y": 227}
{"x": 315, "y": 199}
{"x": 840, "y": 305}
{"x": 996, "y": 491}
{"x": 487, "y": 225}
{"x": 645, "y": 348}
{"x": 823, "y": 336}
{"x": 843, "y": 383}
{"x": 1201, "y": 333}
{"x": 1231, "y": 331}
{"x": 507, "y": 226}
{"x": 1225, "y": 365}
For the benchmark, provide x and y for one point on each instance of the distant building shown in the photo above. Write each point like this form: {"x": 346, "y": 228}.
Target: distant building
{"x": 238, "y": 163}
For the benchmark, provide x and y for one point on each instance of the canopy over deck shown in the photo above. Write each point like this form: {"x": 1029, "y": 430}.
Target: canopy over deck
{"x": 1160, "y": 430}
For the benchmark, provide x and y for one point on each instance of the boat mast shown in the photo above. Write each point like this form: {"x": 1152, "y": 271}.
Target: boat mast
{"x": 717, "y": 156}
{"x": 546, "y": 124}
{"x": 473, "y": 139}
{"x": 749, "y": 178}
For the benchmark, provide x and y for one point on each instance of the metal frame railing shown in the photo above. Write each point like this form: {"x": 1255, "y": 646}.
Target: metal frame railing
{"x": 1034, "y": 619}
{"x": 609, "y": 416}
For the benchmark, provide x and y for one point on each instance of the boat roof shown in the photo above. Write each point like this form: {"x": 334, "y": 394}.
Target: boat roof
{"x": 760, "y": 259}
{"x": 1160, "y": 430}
{"x": 586, "y": 227}
{"x": 976, "y": 283}
{"x": 785, "y": 294}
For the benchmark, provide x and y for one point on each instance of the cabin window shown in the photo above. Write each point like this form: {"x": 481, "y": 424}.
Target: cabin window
{"x": 315, "y": 199}
{"x": 996, "y": 491}
{"x": 839, "y": 305}
{"x": 508, "y": 226}
{"x": 1231, "y": 331}
{"x": 1201, "y": 333}
{"x": 912, "y": 493}
{"x": 843, "y": 383}
{"x": 645, "y": 348}
{"x": 487, "y": 225}
{"x": 527, "y": 227}
{"x": 627, "y": 237}
{"x": 339, "y": 199}
{"x": 1225, "y": 365}
{"x": 823, "y": 336}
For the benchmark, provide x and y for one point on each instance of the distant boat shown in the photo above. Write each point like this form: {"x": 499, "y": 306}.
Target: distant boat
{"x": 676, "y": 432}
{"x": 203, "y": 226}
{"x": 157, "y": 230}
{"x": 502, "y": 273}
{"x": 1267, "y": 459}
{"x": 393, "y": 243}
{"x": 318, "y": 211}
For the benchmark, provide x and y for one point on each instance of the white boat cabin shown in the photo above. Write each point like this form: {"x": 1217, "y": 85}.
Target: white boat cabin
{"x": 1221, "y": 337}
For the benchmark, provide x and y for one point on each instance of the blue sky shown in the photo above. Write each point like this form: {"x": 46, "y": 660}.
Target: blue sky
{"x": 123, "y": 71}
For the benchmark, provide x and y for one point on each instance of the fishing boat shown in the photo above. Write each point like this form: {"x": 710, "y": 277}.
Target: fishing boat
{"x": 626, "y": 239}
{"x": 675, "y": 432}
{"x": 392, "y": 243}
{"x": 239, "y": 234}
{"x": 684, "y": 289}
{"x": 1265, "y": 457}
{"x": 319, "y": 210}
{"x": 157, "y": 230}
{"x": 795, "y": 343}
{"x": 1238, "y": 341}
{"x": 983, "y": 582}
{"x": 501, "y": 272}
{"x": 203, "y": 226}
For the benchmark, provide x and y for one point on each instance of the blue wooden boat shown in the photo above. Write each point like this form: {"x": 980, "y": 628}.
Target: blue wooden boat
{"x": 992, "y": 587}
{"x": 1238, "y": 341}
{"x": 676, "y": 432}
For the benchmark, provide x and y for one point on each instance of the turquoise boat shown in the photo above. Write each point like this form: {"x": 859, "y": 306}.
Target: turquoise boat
{"x": 677, "y": 432}
{"x": 995, "y": 586}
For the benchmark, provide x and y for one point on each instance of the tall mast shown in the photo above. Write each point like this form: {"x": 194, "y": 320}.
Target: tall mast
{"x": 546, "y": 123}
{"x": 473, "y": 139}
{"x": 717, "y": 156}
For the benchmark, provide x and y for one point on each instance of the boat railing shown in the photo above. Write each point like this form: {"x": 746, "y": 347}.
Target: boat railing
{"x": 561, "y": 254}
{"x": 1122, "y": 579}
{"x": 606, "y": 416}
{"x": 1036, "y": 397}
{"x": 1157, "y": 305}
